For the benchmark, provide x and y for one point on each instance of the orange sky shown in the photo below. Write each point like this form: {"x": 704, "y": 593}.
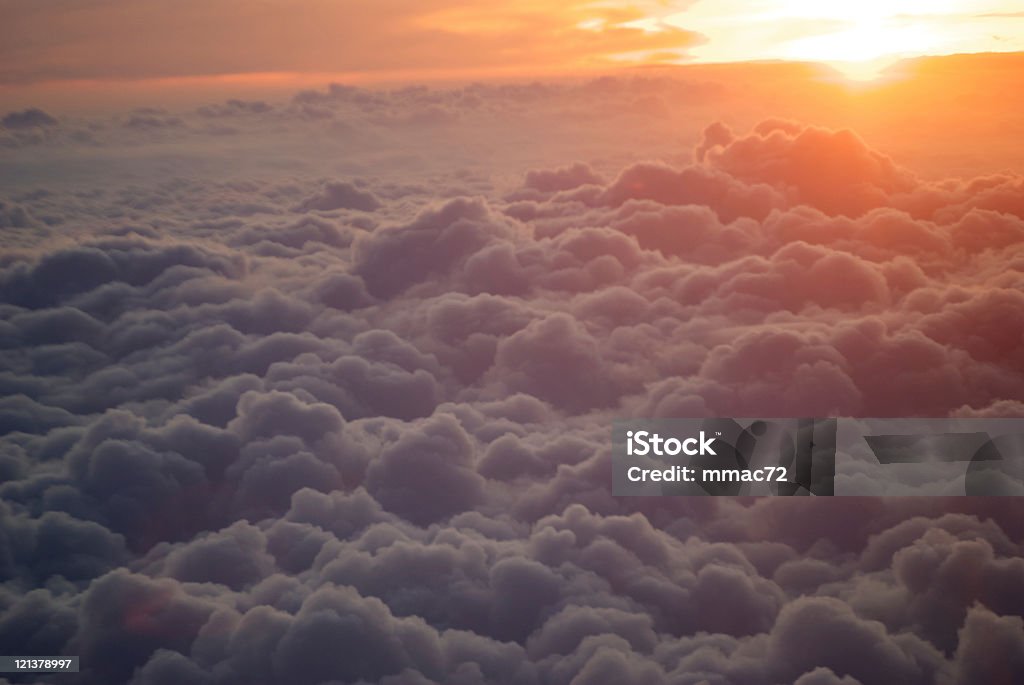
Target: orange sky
{"x": 66, "y": 40}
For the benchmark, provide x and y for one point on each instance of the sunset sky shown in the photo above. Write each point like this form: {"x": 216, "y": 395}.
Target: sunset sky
{"x": 46, "y": 40}
{"x": 316, "y": 316}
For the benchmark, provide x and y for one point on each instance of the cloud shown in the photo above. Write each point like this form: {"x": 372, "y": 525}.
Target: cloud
{"x": 340, "y": 195}
{"x": 393, "y": 258}
{"x": 371, "y": 445}
{"x": 235, "y": 107}
{"x": 29, "y": 118}
{"x": 990, "y": 648}
{"x": 15, "y": 216}
{"x": 833, "y": 171}
{"x": 438, "y": 451}
{"x": 554, "y": 360}
{"x": 566, "y": 178}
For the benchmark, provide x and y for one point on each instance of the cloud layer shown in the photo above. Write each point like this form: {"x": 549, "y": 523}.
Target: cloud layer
{"x": 351, "y": 429}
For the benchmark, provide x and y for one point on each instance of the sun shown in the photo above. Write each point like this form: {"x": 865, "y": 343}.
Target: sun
{"x": 859, "y": 39}
{"x": 861, "y": 72}
{"x": 863, "y": 51}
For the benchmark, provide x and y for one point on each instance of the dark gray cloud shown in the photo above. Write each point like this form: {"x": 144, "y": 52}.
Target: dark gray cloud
{"x": 29, "y": 118}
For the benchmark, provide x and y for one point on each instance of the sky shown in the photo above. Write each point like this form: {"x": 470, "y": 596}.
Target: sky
{"x": 310, "y": 351}
{"x": 859, "y": 38}
{"x": 59, "y": 40}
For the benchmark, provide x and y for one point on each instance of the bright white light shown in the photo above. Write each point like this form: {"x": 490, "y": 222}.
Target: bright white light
{"x": 859, "y": 37}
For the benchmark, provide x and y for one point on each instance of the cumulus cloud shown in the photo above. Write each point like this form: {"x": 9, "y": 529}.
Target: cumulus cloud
{"x": 340, "y": 195}
{"x": 357, "y": 431}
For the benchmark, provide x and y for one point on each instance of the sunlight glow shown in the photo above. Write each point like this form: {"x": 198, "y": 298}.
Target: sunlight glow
{"x": 860, "y": 39}
{"x": 863, "y": 51}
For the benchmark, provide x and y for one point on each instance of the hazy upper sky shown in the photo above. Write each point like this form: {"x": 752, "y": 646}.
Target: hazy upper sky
{"x": 46, "y": 40}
